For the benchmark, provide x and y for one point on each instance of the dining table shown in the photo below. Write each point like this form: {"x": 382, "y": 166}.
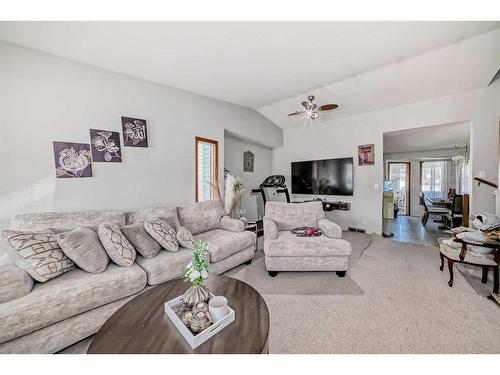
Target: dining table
{"x": 440, "y": 202}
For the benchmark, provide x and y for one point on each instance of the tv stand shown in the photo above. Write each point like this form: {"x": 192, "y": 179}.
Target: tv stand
{"x": 331, "y": 206}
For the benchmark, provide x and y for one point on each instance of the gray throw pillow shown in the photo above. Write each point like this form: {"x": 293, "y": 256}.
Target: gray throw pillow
{"x": 141, "y": 240}
{"x": 83, "y": 247}
{"x": 119, "y": 249}
{"x": 185, "y": 238}
{"x": 163, "y": 233}
{"x": 37, "y": 252}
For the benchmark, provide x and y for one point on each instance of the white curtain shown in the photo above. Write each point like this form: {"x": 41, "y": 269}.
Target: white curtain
{"x": 436, "y": 178}
{"x": 462, "y": 178}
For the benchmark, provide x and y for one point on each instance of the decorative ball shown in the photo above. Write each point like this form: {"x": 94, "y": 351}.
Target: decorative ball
{"x": 186, "y": 318}
{"x": 200, "y": 321}
{"x": 200, "y": 306}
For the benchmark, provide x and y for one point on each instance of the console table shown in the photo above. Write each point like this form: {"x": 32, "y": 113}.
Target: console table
{"x": 463, "y": 257}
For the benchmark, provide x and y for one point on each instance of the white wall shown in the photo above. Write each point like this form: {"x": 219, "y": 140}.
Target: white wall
{"x": 45, "y": 98}
{"x": 233, "y": 161}
{"x": 341, "y": 137}
{"x": 414, "y": 159}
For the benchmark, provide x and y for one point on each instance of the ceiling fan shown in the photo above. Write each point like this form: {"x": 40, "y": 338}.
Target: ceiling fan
{"x": 311, "y": 110}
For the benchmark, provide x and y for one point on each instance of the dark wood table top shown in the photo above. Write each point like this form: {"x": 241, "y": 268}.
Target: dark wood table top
{"x": 142, "y": 326}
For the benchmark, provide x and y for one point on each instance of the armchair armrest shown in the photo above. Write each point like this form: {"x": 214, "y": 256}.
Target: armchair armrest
{"x": 270, "y": 229}
{"x": 14, "y": 282}
{"x": 232, "y": 225}
{"x": 329, "y": 228}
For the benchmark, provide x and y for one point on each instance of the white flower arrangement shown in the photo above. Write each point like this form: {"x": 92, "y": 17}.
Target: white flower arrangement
{"x": 196, "y": 270}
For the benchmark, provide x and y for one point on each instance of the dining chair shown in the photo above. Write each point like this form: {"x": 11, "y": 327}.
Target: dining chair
{"x": 437, "y": 211}
{"x": 454, "y": 217}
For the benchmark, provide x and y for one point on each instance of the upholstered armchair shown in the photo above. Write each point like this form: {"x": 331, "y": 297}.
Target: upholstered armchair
{"x": 285, "y": 251}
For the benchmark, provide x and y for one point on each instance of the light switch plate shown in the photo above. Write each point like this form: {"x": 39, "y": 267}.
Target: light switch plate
{"x": 375, "y": 186}
{"x": 482, "y": 174}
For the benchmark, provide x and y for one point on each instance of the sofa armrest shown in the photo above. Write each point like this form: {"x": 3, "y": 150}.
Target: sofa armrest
{"x": 329, "y": 228}
{"x": 14, "y": 282}
{"x": 270, "y": 229}
{"x": 232, "y": 225}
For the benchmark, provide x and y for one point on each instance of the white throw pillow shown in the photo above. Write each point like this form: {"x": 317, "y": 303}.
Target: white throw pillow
{"x": 163, "y": 233}
{"x": 185, "y": 238}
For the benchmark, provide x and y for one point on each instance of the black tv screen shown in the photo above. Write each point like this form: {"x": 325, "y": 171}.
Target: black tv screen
{"x": 323, "y": 177}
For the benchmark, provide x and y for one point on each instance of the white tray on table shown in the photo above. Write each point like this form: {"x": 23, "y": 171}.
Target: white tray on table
{"x": 198, "y": 339}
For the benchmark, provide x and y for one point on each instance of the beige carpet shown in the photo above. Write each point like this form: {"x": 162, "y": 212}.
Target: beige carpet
{"x": 394, "y": 300}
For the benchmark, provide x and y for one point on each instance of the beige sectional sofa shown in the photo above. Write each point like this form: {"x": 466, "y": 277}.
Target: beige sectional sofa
{"x": 285, "y": 251}
{"x": 48, "y": 317}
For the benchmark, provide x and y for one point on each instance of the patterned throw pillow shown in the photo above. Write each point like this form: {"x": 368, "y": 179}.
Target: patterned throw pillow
{"x": 119, "y": 249}
{"x": 37, "y": 253}
{"x": 185, "y": 238}
{"x": 163, "y": 233}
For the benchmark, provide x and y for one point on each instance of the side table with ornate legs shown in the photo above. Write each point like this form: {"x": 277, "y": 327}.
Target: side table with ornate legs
{"x": 464, "y": 257}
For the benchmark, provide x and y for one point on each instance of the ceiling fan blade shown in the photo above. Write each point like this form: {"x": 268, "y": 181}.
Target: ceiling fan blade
{"x": 306, "y": 105}
{"x": 327, "y": 107}
{"x": 296, "y": 113}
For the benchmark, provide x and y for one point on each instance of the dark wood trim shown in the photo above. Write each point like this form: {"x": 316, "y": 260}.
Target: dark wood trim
{"x": 408, "y": 185}
{"x": 486, "y": 182}
{"x": 465, "y": 210}
{"x": 216, "y": 172}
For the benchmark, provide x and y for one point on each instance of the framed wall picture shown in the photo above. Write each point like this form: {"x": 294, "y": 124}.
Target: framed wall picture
{"x": 105, "y": 145}
{"x": 248, "y": 157}
{"x": 72, "y": 159}
{"x": 366, "y": 154}
{"x": 134, "y": 132}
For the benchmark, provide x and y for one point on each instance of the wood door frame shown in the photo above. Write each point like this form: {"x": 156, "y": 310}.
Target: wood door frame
{"x": 408, "y": 185}
{"x": 216, "y": 172}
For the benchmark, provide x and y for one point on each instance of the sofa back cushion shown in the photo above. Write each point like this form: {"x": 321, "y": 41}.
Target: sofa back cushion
{"x": 167, "y": 214}
{"x": 65, "y": 221}
{"x": 292, "y": 215}
{"x": 201, "y": 217}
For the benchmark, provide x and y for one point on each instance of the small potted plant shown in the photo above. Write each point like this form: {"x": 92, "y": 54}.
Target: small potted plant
{"x": 197, "y": 274}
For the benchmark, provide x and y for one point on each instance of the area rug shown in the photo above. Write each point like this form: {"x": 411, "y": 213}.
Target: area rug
{"x": 405, "y": 306}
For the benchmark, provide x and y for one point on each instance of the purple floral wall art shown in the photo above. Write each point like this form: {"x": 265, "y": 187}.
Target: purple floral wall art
{"x": 72, "y": 160}
{"x": 105, "y": 146}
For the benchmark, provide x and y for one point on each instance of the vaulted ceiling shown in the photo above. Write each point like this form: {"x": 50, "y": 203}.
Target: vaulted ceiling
{"x": 272, "y": 66}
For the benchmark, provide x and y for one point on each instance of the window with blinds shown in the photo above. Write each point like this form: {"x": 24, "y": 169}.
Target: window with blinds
{"x": 206, "y": 155}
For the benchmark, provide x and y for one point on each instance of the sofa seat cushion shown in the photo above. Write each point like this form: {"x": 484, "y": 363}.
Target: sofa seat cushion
{"x": 289, "y": 245}
{"x": 223, "y": 243}
{"x": 70, "y": 294}
{"x": 167, "y": 265}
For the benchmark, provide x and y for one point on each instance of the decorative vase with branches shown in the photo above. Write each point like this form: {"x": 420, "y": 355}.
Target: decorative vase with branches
{"x": 197, "y": 273}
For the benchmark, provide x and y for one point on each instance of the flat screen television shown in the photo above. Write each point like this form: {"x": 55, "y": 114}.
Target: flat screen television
{"x": 323, "y": 177}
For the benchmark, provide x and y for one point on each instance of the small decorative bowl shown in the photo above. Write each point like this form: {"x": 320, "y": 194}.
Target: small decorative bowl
{"x": 186, "y": 318}
{"x": 200, "y": 321}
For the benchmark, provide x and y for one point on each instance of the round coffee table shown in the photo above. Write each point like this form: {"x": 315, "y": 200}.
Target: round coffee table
{"x": 141, "y": 325}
